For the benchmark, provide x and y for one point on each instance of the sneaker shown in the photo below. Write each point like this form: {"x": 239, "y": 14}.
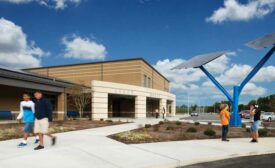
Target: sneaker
{"x": 253, "y": 141}
{"x": 53, "y": 141}
{"x": 36, "y": 141}
{"x": 21, "y": 145}
{"x": 39, "y": 147}
{"x": 226, "y": 140}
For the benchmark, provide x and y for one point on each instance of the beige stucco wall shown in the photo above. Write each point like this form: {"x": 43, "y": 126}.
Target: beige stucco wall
{"x": 101, "y": 89}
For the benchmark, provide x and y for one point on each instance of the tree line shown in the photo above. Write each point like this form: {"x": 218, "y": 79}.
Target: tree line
{"x": 266, "y": 103}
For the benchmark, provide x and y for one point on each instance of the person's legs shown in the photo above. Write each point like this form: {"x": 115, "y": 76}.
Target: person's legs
{"x": 41, "y": 139}
{"x": 226, "y": 131}
{"x": 223, "y": 132}
{"x": 26, "y": 135}
{"x": 257, "y": 124}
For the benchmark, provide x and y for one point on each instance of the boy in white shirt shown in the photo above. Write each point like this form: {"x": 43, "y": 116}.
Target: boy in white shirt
{"x": 27, "y": 113}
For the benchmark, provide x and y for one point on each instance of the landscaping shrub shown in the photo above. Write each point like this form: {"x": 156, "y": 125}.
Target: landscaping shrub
{"x": 170, "y": 128}
{"x": 243, "y": 125}
{"x": 101, "y": 119}
{"x": 178, "y": 123}
{"x": 209, "y": 132}
{"x": 247, "y": 129}
{"x": 191, "y": 129}
{"x": 133, "y": 136}
{"x": 109, "y": 121}
{"x": 156, "y": 127}
{"x": 209, "y": 123}
{"x": 147, "y": 126}
{"x": 161, "y": 122}
{"x": 263, "y": 132}
{"x": 197, "y": 123}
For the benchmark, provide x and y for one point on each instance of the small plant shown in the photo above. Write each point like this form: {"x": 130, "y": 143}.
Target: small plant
{"x": 170, "y": 128}
{"x": 156, "y": 128}
{"x": 147, "y": 126}
{"x": 134, "y": 136}
{"x": 178, "y": 123}
{"x": 101, "y": 119}
{"x": 197, "y": 123}
{"x": 209, "y": 132}
{"x": 109, "y": 121}
{"x": 161, "y": 122}
{"x": 248, "y": 130}
{"x": 209, "y": 123}
{"x": 243, "y": 125}
{"x": 191, "y": 129}
{"x": 263, "y": 132}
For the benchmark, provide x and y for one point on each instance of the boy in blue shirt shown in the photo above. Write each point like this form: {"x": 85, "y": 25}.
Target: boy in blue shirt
{"x": 27, "y": 111}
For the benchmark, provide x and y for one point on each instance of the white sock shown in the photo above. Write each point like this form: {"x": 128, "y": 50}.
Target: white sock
{"x": 37, "y": 137}
{"x": 24, "y": 142}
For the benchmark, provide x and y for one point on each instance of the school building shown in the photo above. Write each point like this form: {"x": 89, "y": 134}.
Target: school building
{"x": 120, "y": 88}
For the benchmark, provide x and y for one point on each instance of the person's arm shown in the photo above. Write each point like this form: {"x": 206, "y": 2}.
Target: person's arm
{"x": 228, "y": 115}
{"x": 32, "y": 107}
{"x": 21, "y": 112}
{"x": 252, "y": 111}
{"x": 221, "y": 116}
{"x": 49, "y": 110}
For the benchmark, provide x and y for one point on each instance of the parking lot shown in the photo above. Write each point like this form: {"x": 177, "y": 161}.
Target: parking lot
{"x": 214, "y": 118}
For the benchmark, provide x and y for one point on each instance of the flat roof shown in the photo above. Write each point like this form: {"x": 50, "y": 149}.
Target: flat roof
{"x": 101, "y": 62}
{"x": 32, "y": 77}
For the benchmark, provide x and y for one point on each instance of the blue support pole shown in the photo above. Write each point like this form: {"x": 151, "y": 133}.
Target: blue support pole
{"x": 217, "y": 84}
{"x": 235, "y": 119}
{"x": 257, "y": 68}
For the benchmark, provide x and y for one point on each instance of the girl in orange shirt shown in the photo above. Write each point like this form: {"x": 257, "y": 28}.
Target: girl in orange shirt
{"x": 224, "y": 117}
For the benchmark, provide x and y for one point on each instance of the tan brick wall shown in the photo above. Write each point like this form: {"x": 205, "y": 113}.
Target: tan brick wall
{"x": 126, "y": 72}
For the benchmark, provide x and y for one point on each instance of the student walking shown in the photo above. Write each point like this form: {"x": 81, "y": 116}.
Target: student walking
{"x": 27, "y": 113}
{"x": 43, "y": 115}
{"x": 255, "y": 112}
{"x": 224, "y": 117}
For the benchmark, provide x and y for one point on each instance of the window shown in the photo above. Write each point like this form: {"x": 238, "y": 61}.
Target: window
{"x": 149, "y": 82}
{"x": 145, "y": 81}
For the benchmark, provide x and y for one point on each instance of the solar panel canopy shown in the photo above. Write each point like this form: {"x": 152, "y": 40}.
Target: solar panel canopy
{"x": 200, "y": 60}
{"x": 262, "y": 42}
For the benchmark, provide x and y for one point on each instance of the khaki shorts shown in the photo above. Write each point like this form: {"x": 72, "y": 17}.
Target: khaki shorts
{"x": 41, "y": 126}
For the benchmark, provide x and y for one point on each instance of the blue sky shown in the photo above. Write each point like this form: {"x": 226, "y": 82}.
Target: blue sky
{"x": 156, "y": 30}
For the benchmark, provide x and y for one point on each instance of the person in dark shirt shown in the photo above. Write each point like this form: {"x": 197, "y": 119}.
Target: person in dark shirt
{"x": 255, "y": 112}
{"x": 43, "y": 115}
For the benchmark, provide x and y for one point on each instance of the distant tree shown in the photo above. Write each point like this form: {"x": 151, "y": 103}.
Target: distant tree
{"x": 194, "y": 107}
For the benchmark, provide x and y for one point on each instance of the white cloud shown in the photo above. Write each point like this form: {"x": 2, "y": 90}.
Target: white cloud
{"x": 83, "y": 48}
{"x": 235, "y": 11}
{"x": 15, "y": 51}
{"x": 56, "y": 4}
{"x": 194, "y": 83}
{"x": 253, "y": 90}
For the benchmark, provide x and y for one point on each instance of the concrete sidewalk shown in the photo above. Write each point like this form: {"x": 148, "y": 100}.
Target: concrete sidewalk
{"x": 91, "y": 148}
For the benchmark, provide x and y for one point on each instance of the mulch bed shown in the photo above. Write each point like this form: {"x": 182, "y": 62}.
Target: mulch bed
{"x": 15, "y": 130}
{"x": 175, "y": 131}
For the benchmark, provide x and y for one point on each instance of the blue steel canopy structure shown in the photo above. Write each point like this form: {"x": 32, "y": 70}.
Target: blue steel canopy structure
{"x": 200, "y": 60}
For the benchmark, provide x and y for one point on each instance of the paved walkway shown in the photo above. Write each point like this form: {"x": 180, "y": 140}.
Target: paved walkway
{"x": 91, "y": 148}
